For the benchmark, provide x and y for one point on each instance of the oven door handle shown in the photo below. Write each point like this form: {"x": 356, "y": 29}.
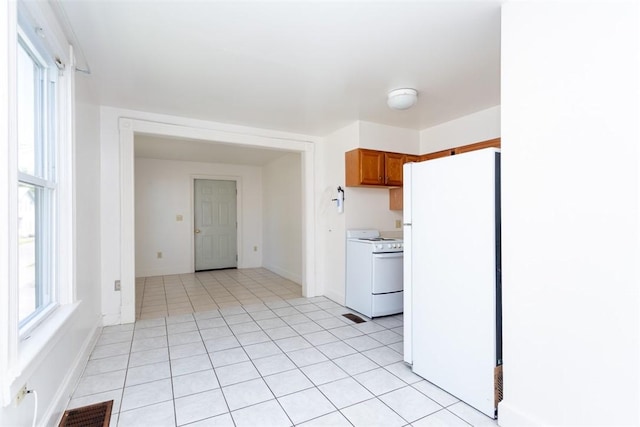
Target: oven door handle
{"x": 388, "y": 254}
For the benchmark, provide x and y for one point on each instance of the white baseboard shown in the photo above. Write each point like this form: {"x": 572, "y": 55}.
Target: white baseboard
{"x": 111, "y": 319}
{"x": 63, "y": 395}
{"x": 294, "y": 277}
{"x": 167, "y": 271}
{"x": 128, "y": 313}
{"x": 335, "y": 297}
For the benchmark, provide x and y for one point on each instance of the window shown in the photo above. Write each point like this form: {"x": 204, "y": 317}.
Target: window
{"x": 37, "y": 258}
{"x": 37, "y": 183}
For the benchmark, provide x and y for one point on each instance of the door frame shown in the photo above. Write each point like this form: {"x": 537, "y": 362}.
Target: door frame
{"x": 238, "y": 181}
{"x": 128, "y": 127}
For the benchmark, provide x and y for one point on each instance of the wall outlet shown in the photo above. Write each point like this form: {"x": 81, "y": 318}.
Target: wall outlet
{"x": 178, "y": 218}
{"x": 398, "y": 223}
{"x": 116, "y": 285}
{"x": 159, "y": 255}
{"x": 21, "y": 394}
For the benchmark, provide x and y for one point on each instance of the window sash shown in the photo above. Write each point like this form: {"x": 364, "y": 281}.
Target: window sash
{"x": 36, "y": 80}
{"x": 42, "y": 245}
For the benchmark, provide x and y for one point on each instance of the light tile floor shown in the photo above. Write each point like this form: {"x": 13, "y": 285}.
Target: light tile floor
{"x": 189, "y": 293}
{"x": 242, "y": 348}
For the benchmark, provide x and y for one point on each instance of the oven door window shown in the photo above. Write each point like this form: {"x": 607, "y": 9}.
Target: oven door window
{"x": 387, "y": 272}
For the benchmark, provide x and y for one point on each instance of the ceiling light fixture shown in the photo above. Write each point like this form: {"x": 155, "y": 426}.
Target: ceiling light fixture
{"x": 401, "y": 99}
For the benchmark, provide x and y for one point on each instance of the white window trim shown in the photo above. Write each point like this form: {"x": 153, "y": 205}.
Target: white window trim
{"x": 8, "y": 296}
{"x": 19, "y": 358}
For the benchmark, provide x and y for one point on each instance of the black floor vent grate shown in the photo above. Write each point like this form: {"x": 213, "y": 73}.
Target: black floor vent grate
{"x": 96, "y": 415}
{"x": 354, "y": 318}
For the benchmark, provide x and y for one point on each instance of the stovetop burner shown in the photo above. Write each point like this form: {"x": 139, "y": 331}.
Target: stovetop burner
{"x": 373, "y": 237}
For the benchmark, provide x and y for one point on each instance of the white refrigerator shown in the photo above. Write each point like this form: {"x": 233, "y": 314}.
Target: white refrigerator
{"x": 452, "y": 286}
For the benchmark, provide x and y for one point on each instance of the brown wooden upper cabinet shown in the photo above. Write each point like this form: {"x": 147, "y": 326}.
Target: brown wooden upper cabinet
{"x": 395, "y": 194}
{"x": 478, "y": 146}
{"x": 411, "y": 158}
{"x": 365, "y": 167}
{"x": 462, "y": 149}
{"x": 373, "y": 168}
{"x": 437, "y": 154}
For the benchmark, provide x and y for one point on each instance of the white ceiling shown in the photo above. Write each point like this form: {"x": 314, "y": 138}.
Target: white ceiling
{"x": 304, "y": 67}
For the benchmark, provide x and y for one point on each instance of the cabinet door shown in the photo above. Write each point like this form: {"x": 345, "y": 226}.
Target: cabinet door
{"x": 364, "y": 167}
{"x": 371, "y": 167}
{"x": 393, "y": 168}
{"x": 437, "y": 154}
{"x": 395, "y": 199}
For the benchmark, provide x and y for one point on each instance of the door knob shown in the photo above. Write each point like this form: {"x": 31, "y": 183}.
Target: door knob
{"x": 197, "y": 231}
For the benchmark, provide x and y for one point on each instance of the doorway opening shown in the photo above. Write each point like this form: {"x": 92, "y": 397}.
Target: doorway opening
{"x": 200, "y": 144}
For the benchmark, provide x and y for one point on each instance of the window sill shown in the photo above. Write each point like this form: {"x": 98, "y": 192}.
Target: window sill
{"x": 34, "y": 350}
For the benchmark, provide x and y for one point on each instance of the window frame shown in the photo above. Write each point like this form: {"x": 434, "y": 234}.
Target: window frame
{"x": 44, "y": 180}
{"x": 22, "y": 355}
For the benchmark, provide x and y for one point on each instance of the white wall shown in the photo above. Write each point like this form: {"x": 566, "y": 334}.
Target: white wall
{"x": 330, "y": 225}
{"x": 570, "y": 95}
{"x": 109, "y": 214}
{"x": 164, "y": 189}
{"x": 363, "y": 207}
{"x": 282, "y": 217}
{"x": 388, "y": 138}
{"x": 87, "y": 160}
{"x": 475, "y": 127}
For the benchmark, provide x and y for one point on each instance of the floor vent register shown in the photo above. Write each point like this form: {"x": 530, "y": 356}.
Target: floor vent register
{"x": 96, "y": 415}
{"x": 354, "y": 318}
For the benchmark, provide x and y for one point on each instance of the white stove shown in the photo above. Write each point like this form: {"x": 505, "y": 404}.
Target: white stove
{"x": 374, "y": 273}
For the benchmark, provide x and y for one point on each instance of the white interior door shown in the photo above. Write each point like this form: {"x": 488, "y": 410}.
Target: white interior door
{"x": 215, "y": 225}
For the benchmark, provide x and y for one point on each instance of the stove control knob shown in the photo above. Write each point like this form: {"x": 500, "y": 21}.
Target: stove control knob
{"x": 378, "y": 246}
